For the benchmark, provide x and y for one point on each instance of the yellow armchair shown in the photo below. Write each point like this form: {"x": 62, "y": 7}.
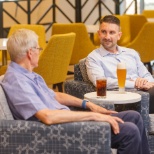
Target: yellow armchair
{"x": 136, "y": 23}
{"x": 82, "y": 46}
{"x": 55, "y": 58}
{"x": 143, "y": 43}
{"x": 148, "y": 13}
{"x": 125, "y": 28}
{"x": 38, "y": 29}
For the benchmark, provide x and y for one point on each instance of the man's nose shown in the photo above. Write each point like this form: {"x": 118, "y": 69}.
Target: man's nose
{"x": 107, "y": 35}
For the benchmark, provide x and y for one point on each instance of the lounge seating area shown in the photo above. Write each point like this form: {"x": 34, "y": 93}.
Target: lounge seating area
{"x": 65, "y": 42}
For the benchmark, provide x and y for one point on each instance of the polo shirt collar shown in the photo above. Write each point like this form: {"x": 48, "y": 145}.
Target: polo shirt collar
{"x": 22, "y": 70}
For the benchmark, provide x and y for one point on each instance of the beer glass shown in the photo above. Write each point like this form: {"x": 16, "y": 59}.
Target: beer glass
{"x": 101, "y": 87}
{"x": 121, "y": 76}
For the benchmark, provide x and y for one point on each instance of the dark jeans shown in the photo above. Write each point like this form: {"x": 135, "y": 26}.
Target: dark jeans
{"x": 151, "y": 101}
{"x": 132, "y": 138}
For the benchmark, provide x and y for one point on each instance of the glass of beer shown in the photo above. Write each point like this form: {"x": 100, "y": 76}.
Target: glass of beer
{"x": 121, "y": 76}
{"x": 101, "y": 84}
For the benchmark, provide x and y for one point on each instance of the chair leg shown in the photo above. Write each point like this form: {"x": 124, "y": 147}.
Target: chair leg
{"x": 149, "y": 67}
{"x": 54, "y": 86}
{"x": 70, "y": 73}
{"x": 59, "y": 85}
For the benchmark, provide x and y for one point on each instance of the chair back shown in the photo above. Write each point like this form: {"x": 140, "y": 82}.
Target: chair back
{"x": 38, "y": 29}
{"x": 82, "y": 46}
{"x": 143, "y": 43}
{"x": 148, "y": 13}
{"x": 136, "y": 23}
{"x": 125, "y": 28}
{"x": 55, "y": 58}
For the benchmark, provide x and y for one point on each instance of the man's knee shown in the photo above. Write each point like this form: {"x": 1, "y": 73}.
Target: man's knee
{"x": 130, "y": 116}
{"x": 128, "y": 139}
{"x": 130, "y": 131}
{"x": 134, "y": 114}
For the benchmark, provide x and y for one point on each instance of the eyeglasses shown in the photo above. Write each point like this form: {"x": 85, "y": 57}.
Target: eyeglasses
{"x": 40, "y": 49}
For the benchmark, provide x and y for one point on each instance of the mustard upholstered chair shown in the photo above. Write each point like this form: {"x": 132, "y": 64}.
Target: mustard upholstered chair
{"x": 3, "y": 69}
{"x": 125, "y": 28}
{"x": 82, "y": 46}
{"x": 144, "y": 42}
{"x": 55, "y": 58}
{"x": 136, "y": 23}
{"x": 148, "y": 13}
{"x": 38, "y": 29}
{"x": 96, "y": 40}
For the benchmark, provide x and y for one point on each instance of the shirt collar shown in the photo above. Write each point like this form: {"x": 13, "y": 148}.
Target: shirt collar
{"x": 22, "y": 70}
{"x": 104, "y": 52}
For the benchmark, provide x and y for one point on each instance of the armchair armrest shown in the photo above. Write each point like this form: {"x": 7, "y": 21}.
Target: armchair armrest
{"x": 34, "y": 137}
{"x": 143, "y": 107}
{"x": 78, "y": 88}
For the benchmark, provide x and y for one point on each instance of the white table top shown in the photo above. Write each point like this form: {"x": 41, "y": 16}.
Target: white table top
{"x": 114, "y": 97}
{"x": 3, "y": 42}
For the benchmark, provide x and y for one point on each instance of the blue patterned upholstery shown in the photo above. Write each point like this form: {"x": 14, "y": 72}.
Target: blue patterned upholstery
{"x": 30, "y": 137}
{"x": 151, "y": 133}
{"x": 80, "y": 86}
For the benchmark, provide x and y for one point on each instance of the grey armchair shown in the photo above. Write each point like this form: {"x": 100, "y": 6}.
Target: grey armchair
{"x": 81, "y": 85}
{"x": 30, "y": 137}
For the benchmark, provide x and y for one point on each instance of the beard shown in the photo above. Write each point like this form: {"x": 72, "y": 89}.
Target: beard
{"x": 107, "y": 43}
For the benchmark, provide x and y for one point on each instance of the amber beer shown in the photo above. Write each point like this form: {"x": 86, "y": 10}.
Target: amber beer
{"x": 121, "y": 75}
{"x": 101, "y": 86}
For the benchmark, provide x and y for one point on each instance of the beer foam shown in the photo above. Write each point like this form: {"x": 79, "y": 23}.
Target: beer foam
{"x": 121, "y": 65}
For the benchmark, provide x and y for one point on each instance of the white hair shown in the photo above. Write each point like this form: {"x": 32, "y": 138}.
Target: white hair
{"x": 20, "y": 42}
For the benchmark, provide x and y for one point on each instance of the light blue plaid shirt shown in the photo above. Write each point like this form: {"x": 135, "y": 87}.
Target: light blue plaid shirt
{"x": 27, "y": 93}
{"x": 100, "y": 62}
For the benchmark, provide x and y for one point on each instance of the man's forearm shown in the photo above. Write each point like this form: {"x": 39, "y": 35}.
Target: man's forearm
{"x": 68, "y": 100}
{"x": 49, "y": 117}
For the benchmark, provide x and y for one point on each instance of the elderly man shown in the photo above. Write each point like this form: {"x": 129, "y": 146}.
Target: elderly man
{"x": 103, "y": 61}
{"x": 37, "y": 102}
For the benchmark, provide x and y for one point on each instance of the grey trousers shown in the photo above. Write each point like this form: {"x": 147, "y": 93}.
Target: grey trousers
{"x": 132, "y": 138}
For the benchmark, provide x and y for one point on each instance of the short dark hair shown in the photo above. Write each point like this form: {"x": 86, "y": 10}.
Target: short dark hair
{"x": 110, "y": 19}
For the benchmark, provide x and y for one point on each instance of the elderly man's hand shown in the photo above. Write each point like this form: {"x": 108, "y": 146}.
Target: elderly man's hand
{"x": 113, "y": 120}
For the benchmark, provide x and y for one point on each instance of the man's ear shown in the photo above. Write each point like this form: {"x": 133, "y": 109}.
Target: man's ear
{"x": 99, "y": 33}
{"x": 29, "y": 53}
{"x": 119, "y": 35}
